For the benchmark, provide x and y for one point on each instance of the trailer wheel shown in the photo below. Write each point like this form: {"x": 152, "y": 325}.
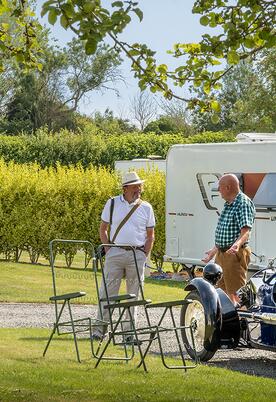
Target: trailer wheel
{"x": 193, "y": 315}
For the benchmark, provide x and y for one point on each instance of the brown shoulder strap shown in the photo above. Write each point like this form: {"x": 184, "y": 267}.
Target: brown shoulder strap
{"x": 133, "y": 209}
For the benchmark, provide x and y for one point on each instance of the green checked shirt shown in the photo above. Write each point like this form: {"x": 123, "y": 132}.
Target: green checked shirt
{"x": 233, "y": 218}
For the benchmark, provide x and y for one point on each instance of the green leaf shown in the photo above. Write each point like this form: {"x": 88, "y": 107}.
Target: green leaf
{"x": 117, "y": 4}
{"x": 204, "y": 20}
{"x": 249, "y": 43}
{"x": 91, "y": 46}
{"x": 69, "y": 10}
{"x": 139, "y": 13}
{"x": 64, "y": 21}
{"x": 264, "y": 34}
{"x": 43, "y": 11}
{"x": 207, "y": 88}
{"x": 52, "y": 16}
{"x": 162, "y": 69}
{"x": 134, "y": 52}
{"x": 215, "y": 106}
{"x": 127, "y": 19}
{"x": 197, "y": 83}
{"x": 142, "y": 85}
{"x": 217, "y": 85}
{"x": 218, "y": 53}
{"x": 116, "y": 17}
{"x": 213, "y": 24}
{"x": 89, "y": 7}
{"x": 48, "y": 3}
{"x": 271, "y": 42}
{"x": 215, "y": 62}
{"x": 233, "y": 57}
{"x": 153, "y": 89}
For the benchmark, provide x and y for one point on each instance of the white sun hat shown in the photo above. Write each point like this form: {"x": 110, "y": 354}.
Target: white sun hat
{"x": 131, "y": 178}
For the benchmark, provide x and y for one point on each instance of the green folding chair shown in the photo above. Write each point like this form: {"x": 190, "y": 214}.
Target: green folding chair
{"x": 162, "y": 329}
{"x": 121, "y": 304}
{"x": 117, "y": 307}
{"x": 62, "y": 302}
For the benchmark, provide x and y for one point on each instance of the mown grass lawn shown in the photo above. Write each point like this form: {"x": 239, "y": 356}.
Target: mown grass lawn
{"x": 27, "y": 376}
{"x": 23, "y": 282}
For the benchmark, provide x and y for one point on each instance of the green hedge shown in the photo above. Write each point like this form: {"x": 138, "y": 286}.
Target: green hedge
{"x": 38, "y": 205}
{"x": 63, "y": 148}
{"x": 67, "y": 148}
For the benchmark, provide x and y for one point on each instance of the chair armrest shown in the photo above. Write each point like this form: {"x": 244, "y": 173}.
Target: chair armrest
{"x": 67, "y": 296}
{"x": 169, "y": 303}
{"x": 133, "y": 303}
{"x": 119, "y": 297}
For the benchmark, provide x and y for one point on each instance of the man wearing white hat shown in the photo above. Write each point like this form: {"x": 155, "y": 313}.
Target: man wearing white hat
{"x": 137, "y": 231}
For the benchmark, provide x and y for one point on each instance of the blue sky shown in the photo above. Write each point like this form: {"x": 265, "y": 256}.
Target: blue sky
{"x": 165, "y": 23}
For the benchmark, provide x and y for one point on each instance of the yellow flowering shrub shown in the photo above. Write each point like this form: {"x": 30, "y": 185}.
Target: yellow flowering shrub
{"x": 38, "y": 205}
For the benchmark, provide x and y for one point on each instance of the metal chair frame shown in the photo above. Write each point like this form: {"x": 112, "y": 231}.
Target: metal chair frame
{"x": 168, "y": 308}
{"x": 122, "y": 305}
{"x": 73, "y": 326}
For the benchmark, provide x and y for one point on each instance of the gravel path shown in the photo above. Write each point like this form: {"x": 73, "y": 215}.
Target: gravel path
{"x": 39, "y": 315}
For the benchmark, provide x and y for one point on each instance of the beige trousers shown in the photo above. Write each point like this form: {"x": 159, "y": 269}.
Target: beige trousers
{"x": 234, "y": 268}
{"x": 119, "y": 264}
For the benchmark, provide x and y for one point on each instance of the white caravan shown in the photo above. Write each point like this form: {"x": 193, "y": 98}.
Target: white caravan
{"x": 193, "y": 203}
{"x": 136, "y": 164}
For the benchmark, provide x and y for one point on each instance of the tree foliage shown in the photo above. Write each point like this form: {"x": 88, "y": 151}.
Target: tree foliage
{"x": 247, "y": 98}
{"x": 243, "y": 28}
{"x": 164, "y": 124}
{"x": 51, "y": 96}
{"x": 108, "y": 124}
{"x": 19, "y": 32}
{"x": 175, "y": 111}
{"x": 85, "y": 73}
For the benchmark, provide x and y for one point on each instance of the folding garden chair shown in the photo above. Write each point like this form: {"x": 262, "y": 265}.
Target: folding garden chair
{"x": 117, "y": 306}
{"x": 61, "y": 301}
{"x": 175, "y": 329}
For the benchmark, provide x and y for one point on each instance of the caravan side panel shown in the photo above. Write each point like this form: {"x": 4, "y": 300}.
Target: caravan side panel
{"x": 193, "y": 203}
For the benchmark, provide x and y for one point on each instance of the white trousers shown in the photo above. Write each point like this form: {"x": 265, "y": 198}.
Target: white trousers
{"x": 119, "y": 264}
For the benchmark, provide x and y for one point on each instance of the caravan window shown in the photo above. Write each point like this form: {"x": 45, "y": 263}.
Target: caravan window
{"x": 261, "y": 188}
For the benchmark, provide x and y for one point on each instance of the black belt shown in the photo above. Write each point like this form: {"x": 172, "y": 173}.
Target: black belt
{"x": 129, "y": 248}
{"x": 224, "y": 249}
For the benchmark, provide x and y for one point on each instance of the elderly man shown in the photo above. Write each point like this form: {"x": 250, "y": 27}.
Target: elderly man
{"x": 136, "y": 231}
{"x": 231, "y": 249}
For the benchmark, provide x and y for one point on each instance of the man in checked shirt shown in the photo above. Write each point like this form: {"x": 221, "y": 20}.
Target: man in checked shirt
{"x": 231, "y": 249}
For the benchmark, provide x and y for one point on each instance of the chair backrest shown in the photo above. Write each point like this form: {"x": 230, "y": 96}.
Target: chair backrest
{"x": 53, "y": 245}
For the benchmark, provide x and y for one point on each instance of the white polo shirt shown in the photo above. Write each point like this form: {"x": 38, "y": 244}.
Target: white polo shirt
{"x": 135, "y": 229}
